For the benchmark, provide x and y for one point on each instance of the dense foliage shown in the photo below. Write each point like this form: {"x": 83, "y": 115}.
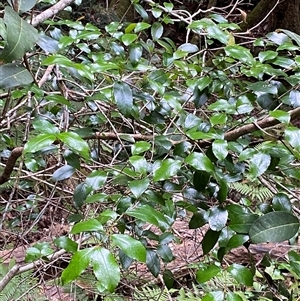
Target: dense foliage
{"x": 123, "y": 128}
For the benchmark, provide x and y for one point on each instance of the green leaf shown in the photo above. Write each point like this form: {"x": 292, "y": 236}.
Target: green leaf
{"x": 75, "y": 143}
{"x": 165, "y": 252}
{"x": 66, "y": 243}
{"x": 140, "y": 147}
{"x": 21, "y": 36}
{"x": 87, "y": 226}
{"x": 274, "y": 227}
{"x": 79, "y": 262}
{"x": 233, "y": 297}
{"x": 258, "y": 164}
{"x": 123, "y": 98}
{"x": 236, "y": 241}
{"x": 96, "y": 179}
{"x": 138, "y": 187}
{"x": 223, "y": 191}
{"x": 167, "y": 169}
{"x": 44, "y": 126}
{"x": 39, "y": 142}
{"x": 130, "y": 246}
{"x": 209, "y": 241}
{"x": 189, "y": 48}
{"x": 148, "y": 214}
{"x": 217, "y": 218}
{"x": 13, "y": 75}
{"x": 292, "y": 35}
{"x": 240, "y": 53}
{"x": 241, "y": 274}
{"x": 214, "y": 296}
{"x": 139, "y": 163}
{"x": 219, "y": 148}
{"x": 282, "y": 116}
{"x": 198, "y": 220}
{"x": 292, "y": 135}
{"x": 199, "y": 162}
{"x": 200, "y": 180}
{"x": 135, "y": 54}
{"x": 156, "y": 31}
{"x": 281, "y": 202}
{"x": 263, "y": 87}
{"x": 58, "y": 99}
{"x": 128, "y": 38}
{"x": 81, "y": 191}
{"x": 267, "y": 55}
{"x": 207, "y": 273}
{"x": 153, "y": 262}
{"x": 295, "y": 98}
{"x": 141, "y": 26}
{"x": 63, "y": 173}
{"x": 105, "y": 269}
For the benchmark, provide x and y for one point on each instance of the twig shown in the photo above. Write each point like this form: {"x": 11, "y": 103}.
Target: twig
{"x": 50, "y": 12}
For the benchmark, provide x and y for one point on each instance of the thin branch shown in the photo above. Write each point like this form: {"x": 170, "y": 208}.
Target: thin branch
{"x": 50, "y": 12}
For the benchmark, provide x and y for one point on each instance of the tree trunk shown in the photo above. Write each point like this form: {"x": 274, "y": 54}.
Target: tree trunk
{"x": 285, "y": 15}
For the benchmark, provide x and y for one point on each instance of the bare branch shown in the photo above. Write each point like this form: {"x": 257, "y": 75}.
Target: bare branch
{"x": 50, "y": 12}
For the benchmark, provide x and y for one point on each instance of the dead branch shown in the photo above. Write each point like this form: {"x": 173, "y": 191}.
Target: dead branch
{"x": 10, "y": 164}
{"x": 229, "y": 136}
{"x": 50, "y": 12}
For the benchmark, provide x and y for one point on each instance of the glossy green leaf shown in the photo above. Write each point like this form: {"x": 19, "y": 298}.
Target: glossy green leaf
{"x": 87, "y": 226}
{"x": 214, "y": 296}
{"x": 217, "y": 218}
{"x": 58, "y": 99}
{"x": 198, "y": 220}
{"x": 223, "y": 191}
{"x": 148, "y": 214}
{"x": 240, "y": 53}
{"x": 156, "y": 31}
{"x": 282, "y": 116}
{"x": 63, "y": 173}
{"x": 281, "y": 202}
{"x": 141, "y": 26}
{"x": 75, "y": 143}
{"x": 295, "y": 98}
{"x": 207, "y": 273}
{"x": 242, "y": 222}
{"x": 96, "y": 179}
{"x": 21, "y": 36}
{"x": 200, "y": 162}
{"x": 139, "y": 163}
{"x": 258, "y": 164}
{"x": 138, "y": 187}
{"x": 274, "y": 227}
{"x": 105, "y": 269}
{"x": 130, "y": 246}
{"x": 142, "y": 12}
{"x": 44, "y": 126}
{"x": 123, "y": 98}
{"x": 66, "y": 243}
{"x": 200, "y": 180}
{"x": 129, "y": 38}
{"x": 135, "y": 54}
{"x": 80, "y": 194}
{"x": 209, "y": 240}
{"x": 79, "y": 262}
{"x": 167, "y": 169}
{"x": 165, "y": 252}
{"x": 237, "y": 240}
{"x": 292, "y": 35}
{"x": 39, "y": 142}
{"x": 153, "y": 262}
{"x": 292, "y": 135}
{"x": 188, "y": 47}
{"x": 168, "y": 278}
{"x": 267, "y": 55}
{"x": 140, "y": 147}
{"x": 13, "y": 75}
{"x": 230, "y": 296}
{"x": 241, "y": 274}
{"x": 219, "y": 148}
